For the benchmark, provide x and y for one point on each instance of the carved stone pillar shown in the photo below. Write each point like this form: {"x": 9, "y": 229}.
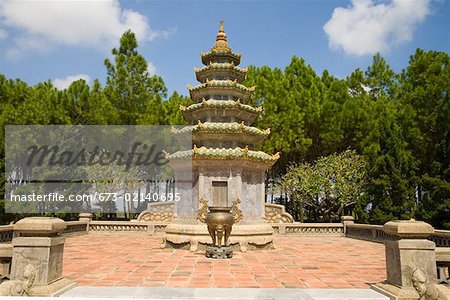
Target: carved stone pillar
{"x": 38, "y": 258}
{"x": 410, "y": 261}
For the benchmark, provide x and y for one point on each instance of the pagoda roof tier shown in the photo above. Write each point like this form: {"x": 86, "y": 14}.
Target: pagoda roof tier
{"x": 237, "y": 153}
{"x": 213, "y": 86}
{"x": 220, "y": 55}
{"x": 208, "y": 107}
{"x": 233, "y": 127}
{"x": 225, "y": 132}
{"x": 214, "y": 69}
{"x": 221, "y": 112}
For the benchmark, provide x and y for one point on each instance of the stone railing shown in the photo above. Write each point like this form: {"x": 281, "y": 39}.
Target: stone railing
{"x": 158, "y": 228}
{"x": 441, "y": 238}
{"x": 6, "y": 233}
{"x": 76, "y": 227}
{"x": 133, "y": 226}
{"x": 80, "y": 227}
{"x": 73, "y": 227}
{"x": 309, "y": 229}
{"x": 375, "y": 233}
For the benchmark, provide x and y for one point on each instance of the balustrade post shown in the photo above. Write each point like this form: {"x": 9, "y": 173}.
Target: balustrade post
{"x": 346, "y": 220}
{"x": 410, "y": 263}
{"x": 87, "y": 217}
{"x": 37, "y": 259}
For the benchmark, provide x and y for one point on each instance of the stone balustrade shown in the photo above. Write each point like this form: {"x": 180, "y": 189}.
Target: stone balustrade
{"x": 308, "y": 229}
{"x": 127, "y": 226}
{"x": 6, "y": 233}
{"x": 441, "y": 238}
{"x": 373, "y": 233}
{"x": 76, "y": 227}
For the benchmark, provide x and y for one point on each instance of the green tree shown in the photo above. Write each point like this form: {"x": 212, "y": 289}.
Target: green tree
{"x": 171, "y": 108}
{"x": 391, "y": 169}
{"x": 424, "y": 115}
{"x": 372, "y": 128}
{"x": 136, "y": 96}
{"x": 292, "y": 103}
{"x": 86, "y": 106}
{"x": 330, "y": 186}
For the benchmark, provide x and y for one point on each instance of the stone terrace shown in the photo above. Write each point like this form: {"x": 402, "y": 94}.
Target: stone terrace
{"x": 114, "y": 259}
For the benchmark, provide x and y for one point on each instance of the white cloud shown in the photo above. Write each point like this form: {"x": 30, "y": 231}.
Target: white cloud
{"x": 368, "y": 26}
{"x": 95, "y": 24}
{"x": 63, "y": 83}
{"x": 151, "y": 69}
{"x": 3, "y": 34}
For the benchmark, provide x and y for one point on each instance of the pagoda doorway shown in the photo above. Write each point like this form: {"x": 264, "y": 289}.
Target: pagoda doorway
{"x": 219, "y": 193}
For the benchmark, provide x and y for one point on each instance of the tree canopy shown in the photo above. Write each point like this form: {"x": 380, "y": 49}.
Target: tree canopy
{"x": 399, "y": 123}
{"x": 328, "y": 187}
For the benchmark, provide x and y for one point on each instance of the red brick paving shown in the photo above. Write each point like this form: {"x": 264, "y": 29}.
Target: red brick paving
{"x": 297, "y": 262}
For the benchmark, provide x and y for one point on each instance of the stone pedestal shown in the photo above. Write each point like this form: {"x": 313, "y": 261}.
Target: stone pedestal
{"x": 219, "y": 252}
{"x": 410, "y": 260}
{"x": 37, "y": 258}
{"x": 195, "y": 237}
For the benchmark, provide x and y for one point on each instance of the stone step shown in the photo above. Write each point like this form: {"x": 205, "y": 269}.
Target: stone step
{"x": 222, "y": 293}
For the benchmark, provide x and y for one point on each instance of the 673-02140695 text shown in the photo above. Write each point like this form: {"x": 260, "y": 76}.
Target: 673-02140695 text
{"x": 96, "y": 196}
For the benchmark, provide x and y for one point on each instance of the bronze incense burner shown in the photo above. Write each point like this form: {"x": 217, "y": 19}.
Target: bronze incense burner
{"x": 220, "y": 222}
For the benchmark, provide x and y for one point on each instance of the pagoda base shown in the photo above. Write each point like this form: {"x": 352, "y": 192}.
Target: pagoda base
{"x": 195, "y": 237}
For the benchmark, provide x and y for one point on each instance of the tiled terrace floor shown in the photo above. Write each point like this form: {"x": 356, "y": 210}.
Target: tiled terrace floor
{"x": 297, "y": 262}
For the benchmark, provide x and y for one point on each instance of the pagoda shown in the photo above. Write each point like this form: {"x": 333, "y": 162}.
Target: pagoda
{"x": 227, "y": 170}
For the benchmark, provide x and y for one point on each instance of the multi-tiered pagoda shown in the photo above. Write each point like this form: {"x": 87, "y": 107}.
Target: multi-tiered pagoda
{"x": 226, "y": 168}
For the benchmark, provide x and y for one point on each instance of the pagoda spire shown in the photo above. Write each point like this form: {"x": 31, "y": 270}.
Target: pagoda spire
{"x": 221, "y": 43}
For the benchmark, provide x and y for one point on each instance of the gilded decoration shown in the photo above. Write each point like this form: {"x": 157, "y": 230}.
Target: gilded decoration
{"x": 221, "y": 43}
{"x": 203, "y": 210}
{"x": 236, "y": 211}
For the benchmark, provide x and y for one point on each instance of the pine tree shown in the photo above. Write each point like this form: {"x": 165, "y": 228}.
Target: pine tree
{"x": 171, "y": 108}
{"x": 136, "y": 96}
{"x": 424, "y": 105}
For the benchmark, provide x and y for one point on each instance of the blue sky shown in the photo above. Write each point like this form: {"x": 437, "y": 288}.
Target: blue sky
{"x": 64, "y": 40}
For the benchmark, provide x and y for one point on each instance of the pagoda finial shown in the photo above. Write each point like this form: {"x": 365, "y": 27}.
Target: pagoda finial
{"x": 221, "y": 43}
